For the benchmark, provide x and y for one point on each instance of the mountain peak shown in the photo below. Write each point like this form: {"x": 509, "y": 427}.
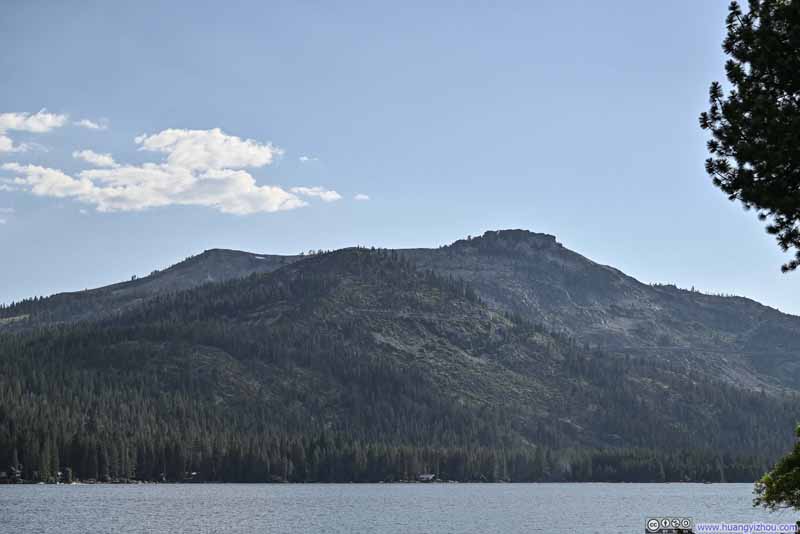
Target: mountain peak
{"x": 509, "y": 239}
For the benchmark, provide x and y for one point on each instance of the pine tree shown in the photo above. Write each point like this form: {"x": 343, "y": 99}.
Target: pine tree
{"x": 755, "y": 128}
{"x": 780, "y": 488}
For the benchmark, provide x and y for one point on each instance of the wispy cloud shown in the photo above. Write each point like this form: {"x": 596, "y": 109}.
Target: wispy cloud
{"x": 92, "y": 157}
{"x": 199, "y": 168}
{"x": 92, "y": 125}
{"x": 361, "y": 196}
{"x": 306, "y": 159}
{"x": 326, "y": 195}
{"x": 39, "y": 122}
{"x": 3, "y": 212}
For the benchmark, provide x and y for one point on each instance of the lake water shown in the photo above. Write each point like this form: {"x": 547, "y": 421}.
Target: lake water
{"x": 373, "y": 508}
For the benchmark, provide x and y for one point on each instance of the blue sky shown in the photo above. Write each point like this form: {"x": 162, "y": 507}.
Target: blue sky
{"x": 254, "y": 125}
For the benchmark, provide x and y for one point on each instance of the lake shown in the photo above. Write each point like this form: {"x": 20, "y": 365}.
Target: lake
{"x": 373, "y": 508}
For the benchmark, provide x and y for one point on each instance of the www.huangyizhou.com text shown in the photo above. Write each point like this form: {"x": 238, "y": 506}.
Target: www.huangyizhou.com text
{"x": 747, "y": 528}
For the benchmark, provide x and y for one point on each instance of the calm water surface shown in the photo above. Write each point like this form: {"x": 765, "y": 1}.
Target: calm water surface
{"x": 373, "y": 508}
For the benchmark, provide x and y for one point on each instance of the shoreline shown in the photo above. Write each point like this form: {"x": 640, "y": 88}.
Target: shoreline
{"x": 319, "y": 483}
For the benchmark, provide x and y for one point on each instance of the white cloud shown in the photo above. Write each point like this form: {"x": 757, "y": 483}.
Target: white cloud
{"x": 91, "y": 125}
{"x": 5, "y": 211}
{"x": 326, "y": 195}
{"x": 305, "y": 159}
{"x": 361, "y": 196}
{"x": 233, "y": 191}
{"x": 44, "y": 181}
{"x": 130, "y": 188}
{"x": 201, "y": 168}
{"x": 6, "y": 144}
{"x": 83, "y": 211}
{"x": 96, "y": 159}
{"x": 39, "y": 122}
{"x": 208, "y": 149}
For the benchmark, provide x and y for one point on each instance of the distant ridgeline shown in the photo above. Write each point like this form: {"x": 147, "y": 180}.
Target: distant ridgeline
{"x": 375, "y": 365}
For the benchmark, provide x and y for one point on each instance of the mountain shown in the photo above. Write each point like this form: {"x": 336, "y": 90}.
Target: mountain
{"x": 354, "y": 365}
{"x": 733, "y": 339}
{"x": 216, "y": 265}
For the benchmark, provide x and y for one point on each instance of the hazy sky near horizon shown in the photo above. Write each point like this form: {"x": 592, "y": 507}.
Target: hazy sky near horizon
{"x": 174, "y": 127}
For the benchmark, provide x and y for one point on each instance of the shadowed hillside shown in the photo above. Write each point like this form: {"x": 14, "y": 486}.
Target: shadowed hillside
{"x": 733, "y": 338}
{"x": 363, "y": 348}
{"x": 216, "y": 265}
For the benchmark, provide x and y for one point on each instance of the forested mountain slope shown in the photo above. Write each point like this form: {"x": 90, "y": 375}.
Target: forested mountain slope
{"x": 357, "y": 365}
{"x": 216, "y": 265}
{"x": 734, "y": 338}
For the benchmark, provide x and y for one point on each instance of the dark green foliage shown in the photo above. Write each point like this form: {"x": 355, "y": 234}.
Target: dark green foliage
{"x": 755, "y": 128}
{"x": 214, "y": 265}
{"x": 357, "y": 366}
{"x": 780, "y": 488}
{"x": 537, "y": 278}
{"x": 532, "y": 276}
